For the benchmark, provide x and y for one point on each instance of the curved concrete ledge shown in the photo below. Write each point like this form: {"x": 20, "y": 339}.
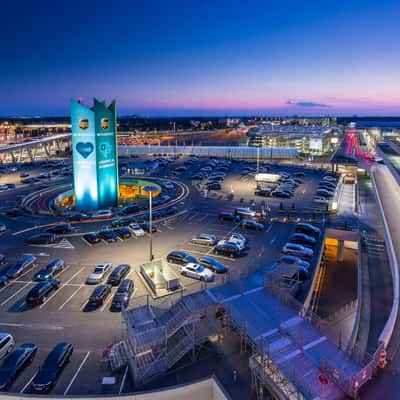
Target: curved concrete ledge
{"x": 392, "y": 189}
{"x": 205, "y": 389}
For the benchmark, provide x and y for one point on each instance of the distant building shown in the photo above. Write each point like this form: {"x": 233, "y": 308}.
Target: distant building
{"x": 95, "y": 159}
{"x": 306, "y": 139}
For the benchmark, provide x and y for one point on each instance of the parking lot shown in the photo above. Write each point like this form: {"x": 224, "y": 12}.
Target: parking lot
{"x": 65, "y": 314}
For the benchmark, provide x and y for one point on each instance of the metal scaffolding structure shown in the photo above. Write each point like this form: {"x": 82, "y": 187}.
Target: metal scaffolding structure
{"x": 159, "y": 335}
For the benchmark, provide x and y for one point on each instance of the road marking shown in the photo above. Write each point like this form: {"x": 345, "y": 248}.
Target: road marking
{"x": 269, "y": 228}
{"x": 28, "y": 383}
{"x": 11, "y": 324}
{"x": 73, "y": 276}
{"x": 69, "y": 298}
{"x": 15, "y": 293}
{"x": 50, "y": 297}
{"x": 89, "y": 244}
{"x": 123, "y": 380}
{"x": 76, "y": 373}
{"x": 272, "y": 240}
{"x": 63, "y": 244}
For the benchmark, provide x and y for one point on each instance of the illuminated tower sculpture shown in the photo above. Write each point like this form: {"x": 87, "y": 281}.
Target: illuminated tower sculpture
{"x": 95, "y": 158}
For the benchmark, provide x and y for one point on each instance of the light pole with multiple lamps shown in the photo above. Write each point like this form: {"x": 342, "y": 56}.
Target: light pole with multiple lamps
{"x": 150, "y": 190}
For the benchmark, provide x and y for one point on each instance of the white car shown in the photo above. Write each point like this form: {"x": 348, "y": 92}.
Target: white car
{"x": 6, "y": 344}
{"x": 321, "y": 200}
{"x": 237, "y": 239}
{"x": 3, "y": 228}
{"x": 3, "y": 187}
{"x": 245, "y": 212}
{"x": 197, "y": 271}
{"x": 102, "y": 214}
{"x": 204, "y": 239}
{"x": 294, "y": 249}
{"x": 99, "y": 273}
{"x": 136, "y": 229}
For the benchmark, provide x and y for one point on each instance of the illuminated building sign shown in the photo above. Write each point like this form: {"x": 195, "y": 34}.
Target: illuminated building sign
{"x": 95, "y": 159}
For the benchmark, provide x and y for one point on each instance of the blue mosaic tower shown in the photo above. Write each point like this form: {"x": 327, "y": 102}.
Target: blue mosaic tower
{"x": 95, "y": 156}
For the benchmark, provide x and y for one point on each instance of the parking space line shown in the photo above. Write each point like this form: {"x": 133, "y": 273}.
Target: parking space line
{"x": 121, "y": 388}
{"x": 70, "y": 297}
{"x": 73, "y": 276}
{"x": 49, "y": 298}
{"x": 89, "y": 244}
{"x": 76, "y": 373}
{"x": 15, "y": 293}
{"x": 103, "y": 307}
{"x": 273, "y": 240}
{"x": 29, "y": 270}
{"x": 28, "y": 383}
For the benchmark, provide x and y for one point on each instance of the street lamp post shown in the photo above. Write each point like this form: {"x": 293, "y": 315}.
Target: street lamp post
{"x": 150, "y": 190}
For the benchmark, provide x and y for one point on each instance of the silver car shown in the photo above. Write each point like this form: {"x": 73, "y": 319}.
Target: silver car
{"x": 99, "y": 273}
{"x": 204, "y": 239}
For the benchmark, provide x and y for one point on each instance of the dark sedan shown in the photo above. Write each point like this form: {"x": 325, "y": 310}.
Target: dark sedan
{"x": 250, "y": 224}
{"x": 92, "y": 237}
{"x": 14, "y": 363}
{"x": 123, "y": 232}
{"x": 99, "y": 295}
{"x": 108, "y": 235}
{"x": 180, "y": 258}
{"x": 123, "y": 294}
{"x": 212, "y": 264}
{"x": 55, "y": 362}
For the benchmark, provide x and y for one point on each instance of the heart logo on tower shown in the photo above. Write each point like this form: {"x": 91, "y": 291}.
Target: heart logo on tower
{"x": 84, "y": 149}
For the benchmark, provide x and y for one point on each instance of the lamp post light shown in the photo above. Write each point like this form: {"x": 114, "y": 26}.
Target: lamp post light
{"x": 150, "y": 190}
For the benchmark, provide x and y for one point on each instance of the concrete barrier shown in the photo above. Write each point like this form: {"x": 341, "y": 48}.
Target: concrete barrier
{"x": 205, "y": 389}
{"x": 387, "y": 331}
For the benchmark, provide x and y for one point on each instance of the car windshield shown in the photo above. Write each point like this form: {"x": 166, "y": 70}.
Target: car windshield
{"x": 199, "y": 268}
{"x": 98, "y": 270}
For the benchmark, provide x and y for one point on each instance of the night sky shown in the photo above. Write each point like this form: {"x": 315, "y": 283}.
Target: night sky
{"x": 203, "y": 57}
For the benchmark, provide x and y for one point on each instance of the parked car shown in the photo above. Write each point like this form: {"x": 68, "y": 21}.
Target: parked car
{"x": 250, "y": 224}
{"x": 204, "y": 239}
{"x": 3, "y": 227}
{"x": 238, "y": 239}
{"x": 136, "y": 229}
{"x": 213, "y": 265}
{"x": 166, "y": 185}
{"x": 324, "y": 193}
{"x": 228, "y": 216}
{"x": 99, "y": 295}
{"x": 76, "y": 217}
{"x": 123, "y": 294}
{"x": 6, "y": 344}
{"x": 38, "y": 294}
{"x": 14, "y": 212}
{"x": 4, "y": 281}
{"x": 321, "y": 200}
{"x": 298, "y": 250}
{"x": 102, "y": 214}
{"x": 213, "y": 185}
{"x": 227, "y": 249}
{"x": 281, "y": 194}
{"x": 21, "y": 266}
{"x": 180, "y": 258}
{"x": 288, "y": 259}
{"x": 245, "y": 212}
{"x": 303, "y": 239}
{"x": 108, "y": 235}
{"x": 146, "y": 227}
{"x": 99, "y": 273}
{"x": 50, "y": 370}
{"x": 92, "y": 237}
{"x": 118, "y": 274}
{"x": 131, "y": 209}
{"x": 59, "y": 229}
{"x": 42, "y": 238}
{"x": 197, "y": 271}
{"x": 123, "y": 232}
{"x": 265, "y": 192}
{"x": 308, "y": 229}
{"x": 14, "y": 364}
{"x": 52, "y": 269}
